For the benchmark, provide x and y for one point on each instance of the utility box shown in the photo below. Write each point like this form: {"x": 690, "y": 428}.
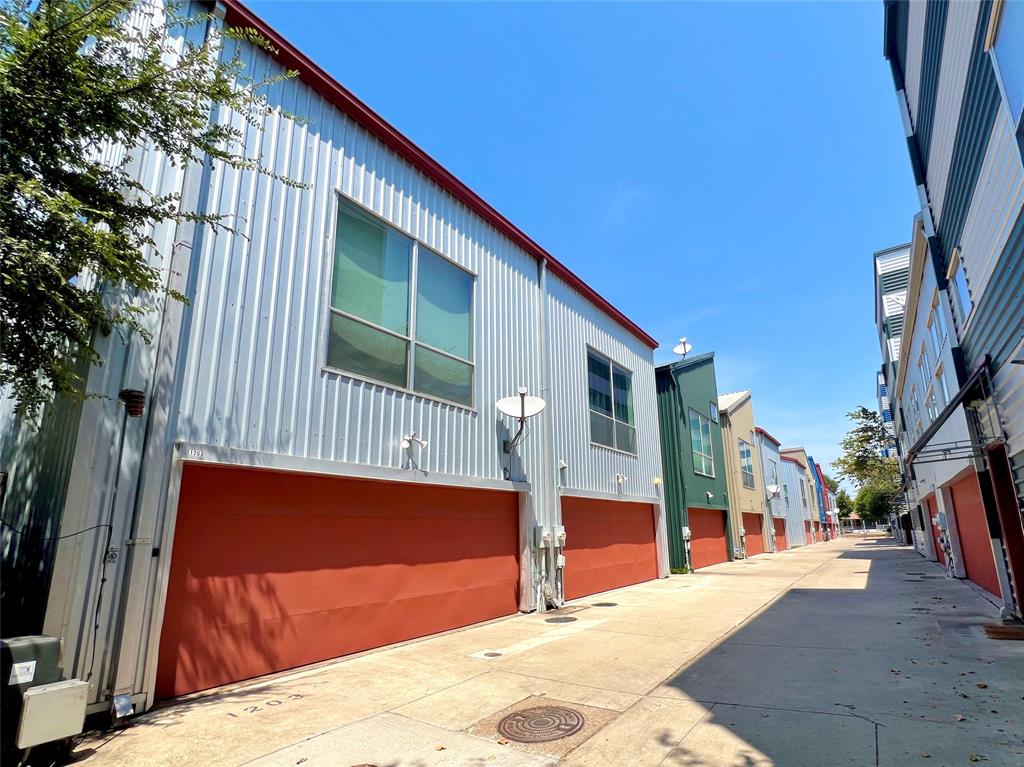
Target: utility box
{"x": 29, "y": 664}
{"x": 52, "y": 712}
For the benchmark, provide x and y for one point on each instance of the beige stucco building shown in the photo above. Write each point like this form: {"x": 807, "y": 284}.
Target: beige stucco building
{"x": 743, "y": 473}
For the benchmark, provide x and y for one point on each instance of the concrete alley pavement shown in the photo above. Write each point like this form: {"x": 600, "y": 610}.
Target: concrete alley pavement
{"x": 855, "y": 652}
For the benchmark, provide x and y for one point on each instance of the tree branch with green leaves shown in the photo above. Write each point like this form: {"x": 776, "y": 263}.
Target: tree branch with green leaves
{"x": 82, "y": 81}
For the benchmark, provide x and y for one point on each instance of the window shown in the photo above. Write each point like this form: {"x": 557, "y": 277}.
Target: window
{"x": 380, "y": 331}
{"x": 803, "y": 494}
{"x": 713, "y": 409}
{"x": 929, "y": 406}
{"x": 773, "y": 473}
{"x": 700, "y": 444}
{"x": 611, "y": 404}
{"x": 941, "y": 392}
{"x": 785, "y": 494}
{"x": 958, "y": 280}
{"x": 1004, "y": 38}
{"x": 746, "y": 463}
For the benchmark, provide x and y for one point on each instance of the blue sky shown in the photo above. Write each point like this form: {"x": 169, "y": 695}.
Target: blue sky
{"x": 722, "y": 171}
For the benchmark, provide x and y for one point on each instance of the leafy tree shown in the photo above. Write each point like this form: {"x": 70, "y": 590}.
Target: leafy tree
{"x": 832, "y": 484}
{"x": 845, "y": 504}
{"x": 80, "y": 80}
{"x": 862, "y": 447}
{"x": 875, "y": 501}
{"x": 878, "y": 478}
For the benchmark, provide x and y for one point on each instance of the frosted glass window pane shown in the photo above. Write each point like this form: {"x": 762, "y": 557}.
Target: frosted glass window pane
{"x": 371, "y": 272}
{"x": 366, "y": 351}
{"x": 440, "y": 376}
{"x": 444, "y": 305}
{"x": 602, "y": 430}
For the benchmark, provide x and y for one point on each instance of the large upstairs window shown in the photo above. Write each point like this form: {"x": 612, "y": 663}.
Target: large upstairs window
{"x": 400, "y": 314}
{"x": 747, "y": 463}
{"x": 610, "y": 395}
{"x": 700, "y": 444}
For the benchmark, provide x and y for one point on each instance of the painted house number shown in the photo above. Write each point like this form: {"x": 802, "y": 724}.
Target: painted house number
{"x": 195, "y": 452}
{"x": 269, "y": 703}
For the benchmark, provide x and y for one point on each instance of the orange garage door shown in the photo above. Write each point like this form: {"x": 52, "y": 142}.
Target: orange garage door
{"x": 270, "y": 571}
{"x": 974, "y": 537}
{"x": 608, "y": 544}
{"x": 753, "y": 524}
{"x": 707, "y": 537}
{"x": 781, "y": 542}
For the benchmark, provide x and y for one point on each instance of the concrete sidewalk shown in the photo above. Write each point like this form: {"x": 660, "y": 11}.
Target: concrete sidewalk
{"x": 855, "y": 652}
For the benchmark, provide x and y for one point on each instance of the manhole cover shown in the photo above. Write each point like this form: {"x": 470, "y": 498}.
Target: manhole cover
{"x": 605, "y": 604}
{"x": 560, "y": 619}
{"x": 541, "y": 724}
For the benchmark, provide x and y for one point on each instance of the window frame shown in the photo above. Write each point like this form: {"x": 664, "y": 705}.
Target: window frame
{"x": 612, "y": 365}
{"x": 743, "y": 472}
{"x": 712, "y": 411}
{"x": 342, "y": 200}
{"x": 954, "y": 273}
{"x": 711, "y": 443}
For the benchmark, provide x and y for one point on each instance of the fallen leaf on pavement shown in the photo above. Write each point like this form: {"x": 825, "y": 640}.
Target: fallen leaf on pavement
{"x": 960, "y": 717}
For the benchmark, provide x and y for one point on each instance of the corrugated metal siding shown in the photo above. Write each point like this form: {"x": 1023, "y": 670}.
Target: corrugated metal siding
{"x": 956, "y": 55}
{"x": 934, "y": 36}
{"x": 795, "y": 531}
{"x": 673, "y": 450}
{"x": 996, "y": 324}
{"x": 997, "y": 201}
{"x": 37, "y": 458}
{"x": 1009, "y": 394}
{"x": 573, "y": 324}
{"x": 254, "y": 377}
{"x": 893, "y": 281}
{"x": 977, "y": 115}
{"x": 914, "y": 52}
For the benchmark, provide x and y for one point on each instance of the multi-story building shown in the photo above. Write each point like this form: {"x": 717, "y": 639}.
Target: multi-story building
{"x": 794, "y": 499}
{"x": 320, "y": 466}
{"x": 807, "y": 491}
{"x": 744, "y": 476}
{"x": 771, "y": 477}
{"x": 959, "y": 81}
{"x": 696, "y": 493}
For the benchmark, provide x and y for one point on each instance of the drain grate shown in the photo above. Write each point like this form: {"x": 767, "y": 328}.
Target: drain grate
{"x": 605, "y": 604}
{"x": 541, "y": 724}
{"x": 560, "y": 619}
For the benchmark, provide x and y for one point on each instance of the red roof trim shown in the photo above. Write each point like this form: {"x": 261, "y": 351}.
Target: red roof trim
{"x": 767, "y": 436}
{"x": 240, "y": 16}
{"x": 793, "y": 460}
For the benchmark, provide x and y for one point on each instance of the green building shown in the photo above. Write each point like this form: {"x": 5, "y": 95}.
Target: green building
{"x": 696, "y": 495}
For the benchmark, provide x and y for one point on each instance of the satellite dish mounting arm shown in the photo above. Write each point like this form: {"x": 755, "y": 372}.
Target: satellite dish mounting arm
{"x": 512, "y": 444}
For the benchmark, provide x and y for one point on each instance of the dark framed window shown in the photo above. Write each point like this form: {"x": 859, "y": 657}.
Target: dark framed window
{"x": 610, "y": 400}
{"x": 747, "y": 463}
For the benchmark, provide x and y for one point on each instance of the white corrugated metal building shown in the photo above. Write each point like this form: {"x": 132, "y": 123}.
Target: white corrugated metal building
{"x": 321, "y": 467}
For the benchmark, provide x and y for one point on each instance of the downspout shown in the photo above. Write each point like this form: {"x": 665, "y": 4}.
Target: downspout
{"x": 552, "y": 589}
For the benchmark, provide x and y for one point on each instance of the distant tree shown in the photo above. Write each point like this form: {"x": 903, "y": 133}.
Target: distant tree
{"x": 875, "y": 501}
{"x": 78, "y": 77}
{"x": 878, "y": 478}
{"x": 845, "y": 504}
{"x": 832, "y": 484}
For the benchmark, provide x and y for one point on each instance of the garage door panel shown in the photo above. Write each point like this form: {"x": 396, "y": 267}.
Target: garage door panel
{"x": 708, "y": 545}
{"x": 609, "y": 544}
{"x": 972, "y": 526}
{"x": 271, "y": 571}
{"x": 781, "y": 541}
{"x": 753, "y": 524}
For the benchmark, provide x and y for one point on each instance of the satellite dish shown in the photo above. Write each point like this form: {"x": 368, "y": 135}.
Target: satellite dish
{"x": 682, "y": 348}
{"x": 520, "y": 406}
{"x": 773, "y": 491}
